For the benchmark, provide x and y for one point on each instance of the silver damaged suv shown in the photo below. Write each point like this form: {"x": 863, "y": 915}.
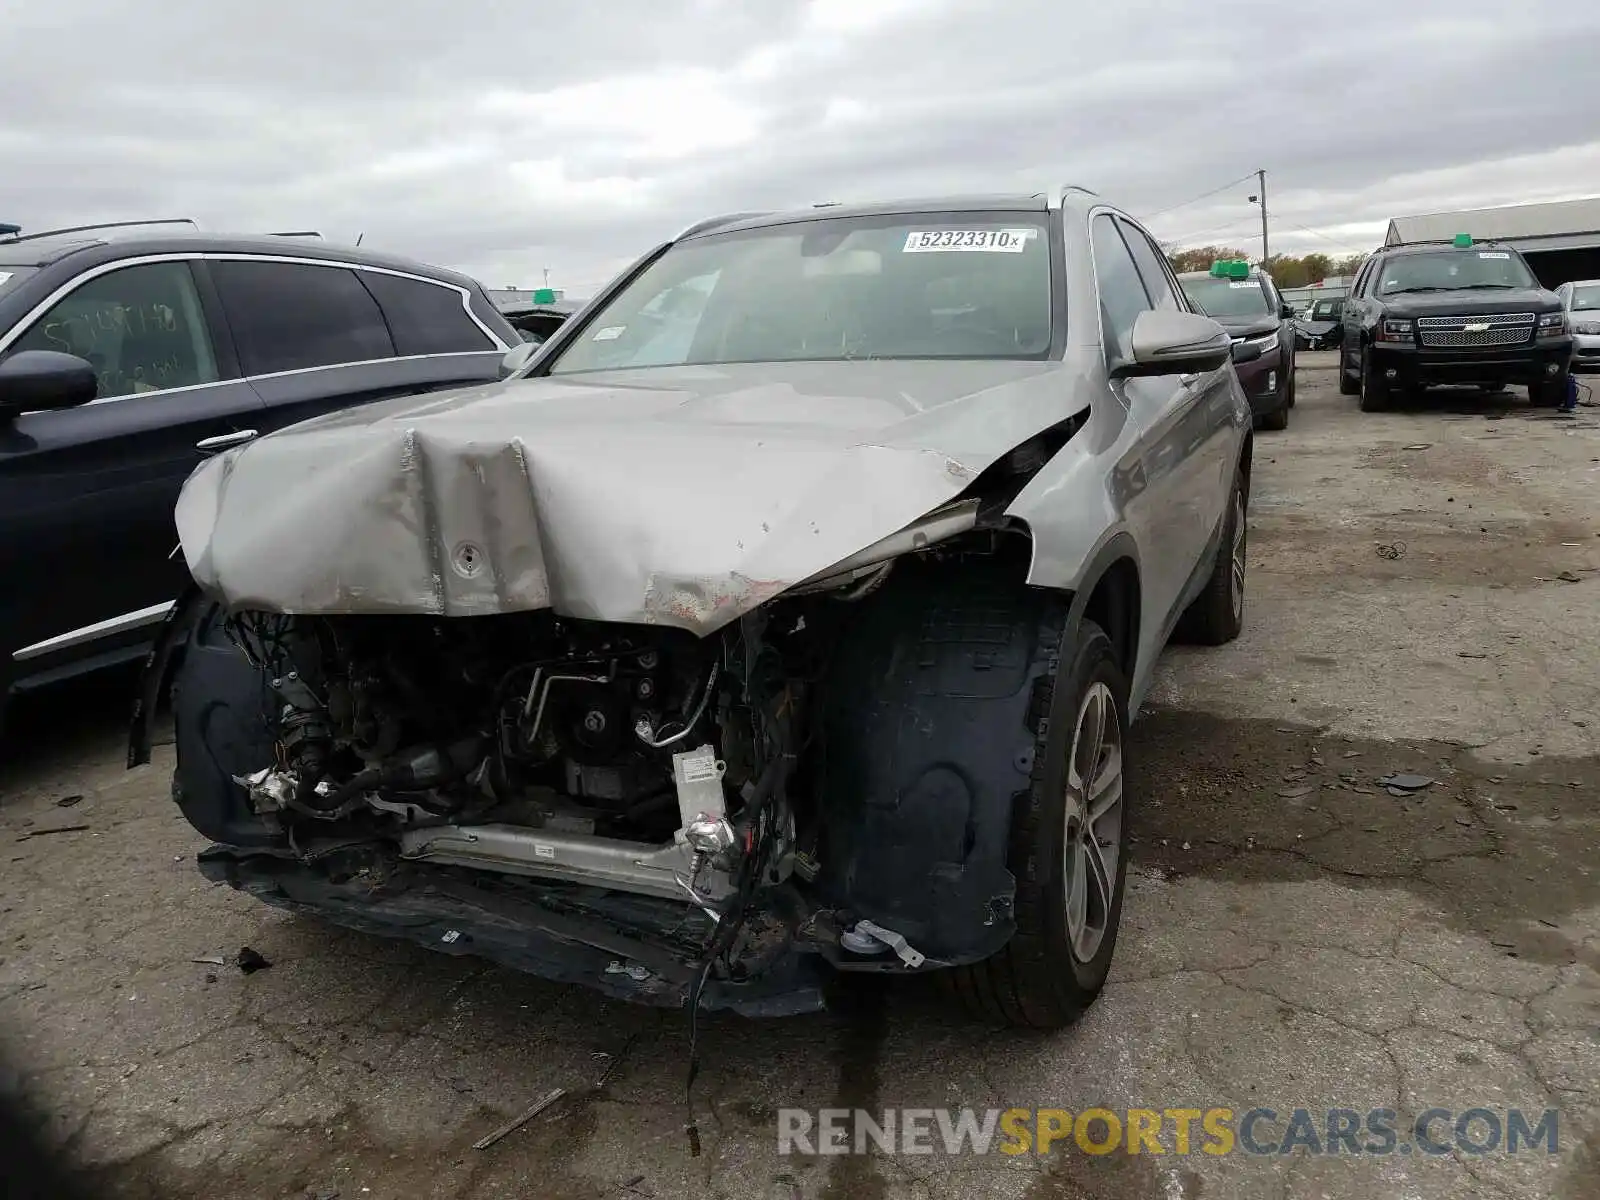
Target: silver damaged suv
{"x": 782, "y": 615}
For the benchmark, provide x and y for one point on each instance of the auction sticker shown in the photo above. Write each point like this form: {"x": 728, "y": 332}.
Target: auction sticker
{"x": 986, "y": 241}
{"x": 1506, "y": 254}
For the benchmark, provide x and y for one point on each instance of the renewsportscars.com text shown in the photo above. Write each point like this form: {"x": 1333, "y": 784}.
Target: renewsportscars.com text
{"x": 1215, "y": 1131}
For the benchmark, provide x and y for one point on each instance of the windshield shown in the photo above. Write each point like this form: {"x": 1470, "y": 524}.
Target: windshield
{"x": 1444, "y": 269}
{"x": 1585, "y": 297}
{"x": 937, "y": 285}
{"x": 1326, "y": 310}
{"x": 1225, "y": 298}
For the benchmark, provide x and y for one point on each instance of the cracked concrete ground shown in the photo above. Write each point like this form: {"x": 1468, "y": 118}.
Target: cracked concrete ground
{"x": 1294, "y": 935}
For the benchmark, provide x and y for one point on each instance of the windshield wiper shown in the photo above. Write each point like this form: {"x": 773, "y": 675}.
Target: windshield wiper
{"x": 1468, "y": 287}
{"x": 1397, "y": 291}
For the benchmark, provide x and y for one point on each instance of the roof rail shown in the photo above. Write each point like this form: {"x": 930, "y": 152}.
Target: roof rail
{"x": 1073, "y": 187}
{"x": 307, "y": 233}
{"x": 44, "y": 233}
{"x": 713, "y": 222}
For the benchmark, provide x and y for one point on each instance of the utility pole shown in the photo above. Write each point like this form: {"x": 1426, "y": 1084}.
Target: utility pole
{"x": 1261, "y": 182}
{"x": 547, "y": 277}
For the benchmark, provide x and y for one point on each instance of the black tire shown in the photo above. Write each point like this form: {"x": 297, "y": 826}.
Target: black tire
{"x": 1548, "y": 393}
{"x": 1040, "y": 979}
{"x": 1491, "y": 388}
{"x": 1374, "y": 387}
{"x": 1290, "y": 401}
{"x": 1278, "y": 418}
{"x": 1216, "y": 615}
{"x": 1347, "y": 385}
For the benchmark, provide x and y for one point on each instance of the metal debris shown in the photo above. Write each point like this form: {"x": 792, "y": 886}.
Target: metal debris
{"x": 1352, "y": 754}
{"x": 532, "y": 1111}
{"x": 1470, "y": 654}
{"x": 69, "y": 801}
{"x": 1568, "y": 577}
{"x": 1305, "y": 789}
{"x": 214, "y": 960}
{"x": 1391, "y": 550}
{"x": 1418, "y": 446}
{"x": 250, "y": 961}
{"x": 33, "y": 833}
{"x": 1408, "y": 783}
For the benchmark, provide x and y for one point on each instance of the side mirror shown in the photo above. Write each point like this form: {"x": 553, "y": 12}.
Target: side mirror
{"x": 34, "y": 380}
{"x": 1168, "y": 342}
{"x": 517, "y": 357}
{"x": 1244, "y": 352}
{"x": 1286, "y": 310}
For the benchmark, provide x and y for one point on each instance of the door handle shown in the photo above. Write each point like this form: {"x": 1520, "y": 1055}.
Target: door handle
{"x": 223, "y": 440}
{"x": 1188, "y": 380}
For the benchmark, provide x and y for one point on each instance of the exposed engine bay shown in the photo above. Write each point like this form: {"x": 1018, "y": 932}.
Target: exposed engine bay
{"x": 627, "y": 757}
{"x": 679, "y": 819}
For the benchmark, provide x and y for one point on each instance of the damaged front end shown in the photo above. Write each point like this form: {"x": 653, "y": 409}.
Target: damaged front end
{"x": 826, "y": 781}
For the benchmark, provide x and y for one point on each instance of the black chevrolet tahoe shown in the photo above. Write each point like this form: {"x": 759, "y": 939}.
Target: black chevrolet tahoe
{"x": 1455, "y": 313}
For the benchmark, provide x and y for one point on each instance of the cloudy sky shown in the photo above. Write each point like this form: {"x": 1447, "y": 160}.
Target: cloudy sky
{"x": 503, "y": 138}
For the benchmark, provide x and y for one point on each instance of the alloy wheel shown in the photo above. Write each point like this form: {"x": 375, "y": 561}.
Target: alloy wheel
{"x": 1092, "y": 843}
{"x": 1237, "y": 554}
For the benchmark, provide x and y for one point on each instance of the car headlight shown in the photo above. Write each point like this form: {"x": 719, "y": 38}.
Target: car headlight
{"x": 1552, "y": 325}
{"x": 1588, "y": 327}
{"x": 1394, "y": 329}
{"x": 1268, "y": 342}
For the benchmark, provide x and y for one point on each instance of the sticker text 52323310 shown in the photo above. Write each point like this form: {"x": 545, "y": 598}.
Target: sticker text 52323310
{"x": 989, "y": 241}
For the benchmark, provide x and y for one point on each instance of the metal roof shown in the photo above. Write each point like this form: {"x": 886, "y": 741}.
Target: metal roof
{"x": 46, "y": 249}
{"x": 1558, "y": 225}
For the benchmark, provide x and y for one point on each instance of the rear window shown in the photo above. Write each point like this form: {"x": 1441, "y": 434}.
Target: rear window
{"x": 1227, "y": 297}
{"x": 972, "y": 285}
{"x": 425, "y": 318}
{"x": 293, "y": 316}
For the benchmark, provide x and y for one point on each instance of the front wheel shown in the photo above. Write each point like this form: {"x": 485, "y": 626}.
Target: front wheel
{"x": 1216, "y": 615}
{"x": 1374, "y": 387}
{"x": 1069, "y": 839}
{"x": 1548, "y": 393}
{"x": 1347, "y": 385}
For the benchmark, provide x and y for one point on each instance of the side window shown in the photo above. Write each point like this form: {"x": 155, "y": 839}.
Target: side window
{"x": 288, "y": 316}
{"x": 141, "y": 327}
{"x": 1362, "y": 276}
{"x": 425, "y": 318}
{"x": 1122, "y": 295}
{"x": 1152, "y": 266}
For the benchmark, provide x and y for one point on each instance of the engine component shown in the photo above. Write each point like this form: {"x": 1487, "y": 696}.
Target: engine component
{"x": 697, "y": 775}
{"x": 553, "y": 854}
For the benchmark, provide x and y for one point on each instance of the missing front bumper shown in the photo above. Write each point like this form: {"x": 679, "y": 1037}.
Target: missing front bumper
{"x": 605, "y": 945}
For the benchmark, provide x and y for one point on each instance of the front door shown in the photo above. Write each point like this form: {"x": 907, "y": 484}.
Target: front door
{"x": 86, "y": 494}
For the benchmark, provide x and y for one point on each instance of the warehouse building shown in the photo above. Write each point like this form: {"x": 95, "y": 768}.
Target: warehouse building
{"x": 1560, "y": 240}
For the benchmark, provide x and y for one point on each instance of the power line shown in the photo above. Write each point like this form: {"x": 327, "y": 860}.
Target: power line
{"x": 1345, "y": 246}
{"x": 1204, "y": 233}
{"x": 1202, "y": 196}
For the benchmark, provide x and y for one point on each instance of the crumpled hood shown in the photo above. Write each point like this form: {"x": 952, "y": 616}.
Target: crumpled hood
{"x": 681, "y": 496}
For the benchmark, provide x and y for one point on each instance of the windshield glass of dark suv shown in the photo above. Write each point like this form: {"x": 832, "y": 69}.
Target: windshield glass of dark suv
{"x": 928, "y": 285}
{"x": 1444, "y": 270}
{"x": 1228, "y": 299}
